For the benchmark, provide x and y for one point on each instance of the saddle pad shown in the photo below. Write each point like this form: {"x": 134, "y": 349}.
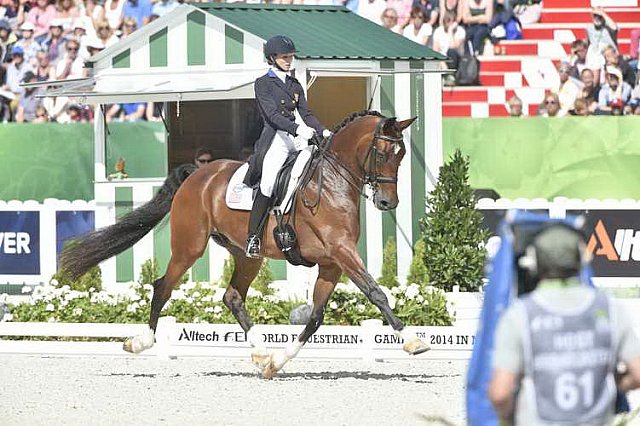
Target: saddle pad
{"x": 240, "y": 196}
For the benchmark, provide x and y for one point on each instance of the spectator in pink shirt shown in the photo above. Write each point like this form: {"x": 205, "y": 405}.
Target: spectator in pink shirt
{"x": 403, "y": 7}
{"x": 40, "y": 16}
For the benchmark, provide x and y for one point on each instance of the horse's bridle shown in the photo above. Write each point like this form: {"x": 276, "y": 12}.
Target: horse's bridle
{"x": 369, "y": 166}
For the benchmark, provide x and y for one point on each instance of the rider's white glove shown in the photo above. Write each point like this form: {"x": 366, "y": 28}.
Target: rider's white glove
{"x": 326, "y": 133}
{"x": 305, "y": 132}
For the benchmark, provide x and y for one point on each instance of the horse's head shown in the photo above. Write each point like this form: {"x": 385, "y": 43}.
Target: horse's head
{"x": 381, "y": 153}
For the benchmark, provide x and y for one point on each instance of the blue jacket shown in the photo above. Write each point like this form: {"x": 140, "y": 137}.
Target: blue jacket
{"x": 277, "y": 102}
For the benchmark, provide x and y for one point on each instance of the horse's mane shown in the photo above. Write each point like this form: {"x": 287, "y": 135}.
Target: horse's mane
{"x": 354, "y": 116}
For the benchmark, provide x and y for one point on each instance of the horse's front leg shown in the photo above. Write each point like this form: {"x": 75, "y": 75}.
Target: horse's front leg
{"x": 354, "y": 267}
{"x": 325, "y": 284}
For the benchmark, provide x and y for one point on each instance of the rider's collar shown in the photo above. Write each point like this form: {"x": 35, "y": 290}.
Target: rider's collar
{"x": 275, "y": 72}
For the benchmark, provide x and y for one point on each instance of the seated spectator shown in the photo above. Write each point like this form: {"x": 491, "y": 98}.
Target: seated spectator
{"x": 633, "y": 48}
{"x": 41, "y": 15}
{"x": 477, "y": 15}
{"x": 139, "y": 10}
{"x": 44, "y": 70}
{"x": 429, "y": 10}
{"x": 153, "y": 112}
{"x": 527, "y": 11}
{"x": 105, "y": 33}
{"x": 389, "y": 20}
{"x": 77, "y": 114}
{"x": 54, "y": 41}
{"x": 128, "y": 27}
{"x": 113, "y": 13}
{"x": 7, "y": 39}
{"x": 615, "y": 91}
{"x": 41, "y": 115}
{"x": 71, "y": 65}
{"x": 162, "y": 7}
{"x": 29, "y": 45}
{"x": 550, "y": 106}
{"x": 581, "y": 107}
{"x": 403, "y": 9}
{"x": 66, "y": 13}
{"x": 454, "y": 7}
{"x": 590, "y": 89}
{"x": 28, "y": 103}
{"x": 612, "y": 57}
{"x": 91, "y": 11}
{"x": 515, "y": 106}
{"x": 94, "y": 46}
{"x": 581, "y": 59}
{"x": 16, "y": 70}
{"x": 448, "y": 39}
{"x": 602, "y": 32}
{"x": 418, "y": 30}
{"x": 13, "y": 11}
{"x": 371, "y": 9}
{"x": 569, "y": 90}
{"x": 125, "y": 112}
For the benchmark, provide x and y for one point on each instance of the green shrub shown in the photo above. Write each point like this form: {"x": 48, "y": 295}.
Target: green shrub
{"x": 452, "y": 232}
{"x": 418, "y": 271}
{"x": 91, "y": 279}
{"x": 389, "y": 271}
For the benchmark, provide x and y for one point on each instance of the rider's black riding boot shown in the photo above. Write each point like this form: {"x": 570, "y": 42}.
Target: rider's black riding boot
{"x": 257, "y": 220}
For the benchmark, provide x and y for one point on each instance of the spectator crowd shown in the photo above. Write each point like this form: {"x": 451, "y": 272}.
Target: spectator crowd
{"x": 44, "y": 40}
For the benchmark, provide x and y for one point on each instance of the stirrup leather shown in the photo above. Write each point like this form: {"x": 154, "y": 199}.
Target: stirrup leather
{"x": 253, "y": 247}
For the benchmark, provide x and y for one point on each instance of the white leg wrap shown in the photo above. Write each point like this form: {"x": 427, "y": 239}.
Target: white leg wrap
{"x": 255, "y": 339}
{"x": 405, "y": 334}
{"x": 280, "y": 358}
{"x": 143, "y": 341}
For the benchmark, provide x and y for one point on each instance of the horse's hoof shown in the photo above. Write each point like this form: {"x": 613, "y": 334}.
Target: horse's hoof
{"x": 415, "y": 346}
{"x": 269, "y": 371}
{"x": 127, "y": 345}
{"x": 260, "y": 359}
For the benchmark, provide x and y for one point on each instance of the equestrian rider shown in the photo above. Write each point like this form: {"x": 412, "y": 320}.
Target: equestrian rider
{"x": 288, "y": 127}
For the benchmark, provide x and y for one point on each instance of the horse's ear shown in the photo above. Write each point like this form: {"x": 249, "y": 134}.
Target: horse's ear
{"x": 401, "y": 125}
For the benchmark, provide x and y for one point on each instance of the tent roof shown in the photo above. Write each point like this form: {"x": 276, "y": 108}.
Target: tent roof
{"x": 322, "y": 32}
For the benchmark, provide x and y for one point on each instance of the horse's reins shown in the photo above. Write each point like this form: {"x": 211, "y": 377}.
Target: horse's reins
{"x": 370, "y": 176}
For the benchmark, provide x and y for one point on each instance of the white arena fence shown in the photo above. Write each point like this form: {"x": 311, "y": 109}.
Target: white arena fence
{"x": 369, "y": 341}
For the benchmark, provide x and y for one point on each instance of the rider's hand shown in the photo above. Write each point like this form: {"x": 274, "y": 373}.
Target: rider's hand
{"x": 305, "y": 132}
{"x": 326, "y": 133}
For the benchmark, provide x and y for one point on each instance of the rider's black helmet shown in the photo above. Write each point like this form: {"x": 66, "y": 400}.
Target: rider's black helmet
{"x": 278, "y": 45}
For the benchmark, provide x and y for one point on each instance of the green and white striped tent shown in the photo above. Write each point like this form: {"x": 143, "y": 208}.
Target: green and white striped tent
{"x": 214, "y": 51}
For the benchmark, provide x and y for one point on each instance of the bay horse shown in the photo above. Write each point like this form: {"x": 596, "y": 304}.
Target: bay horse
{"x": 365, "y": 149}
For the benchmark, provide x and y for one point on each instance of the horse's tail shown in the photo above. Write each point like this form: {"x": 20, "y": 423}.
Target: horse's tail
{"x": 94, "y": 247}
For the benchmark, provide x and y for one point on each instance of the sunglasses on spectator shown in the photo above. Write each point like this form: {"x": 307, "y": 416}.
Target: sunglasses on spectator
{"x": 389, "y": 16}
{"x": 563, "y": 71}
{"x": 551, "y": 102}
{"x": 72, "y": 49}
{"x": 204, "y": 160}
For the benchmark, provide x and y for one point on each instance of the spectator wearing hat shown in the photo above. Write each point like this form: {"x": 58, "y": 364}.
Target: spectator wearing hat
{"x": 28, "y": 43}
{"x": 28, "y": 103}
{"x": 16, "y": 70}
{"x": 54, "y": 42}
{"x": 41, "y": 15}
{"x": 7, "y": 39}
{"x": 140, "y": 10}
{"x": 93, "y": 46}
{"x": 79, "y": 33}
{"x": 602, "y": 32}
{"x": 615, "y": 93}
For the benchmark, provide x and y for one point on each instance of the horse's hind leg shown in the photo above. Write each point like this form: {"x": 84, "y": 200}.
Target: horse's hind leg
{"x": 244, "y": 272}
{"x": 325, "y": 284}
{"x": 187, "y": 245}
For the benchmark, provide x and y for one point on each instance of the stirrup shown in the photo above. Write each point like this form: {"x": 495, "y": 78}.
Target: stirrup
{"x": 253, "y": 247}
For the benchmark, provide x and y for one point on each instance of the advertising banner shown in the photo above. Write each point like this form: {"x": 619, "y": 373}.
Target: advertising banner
{"x": 613, "y": 239}
{"x": 19, "y": 243}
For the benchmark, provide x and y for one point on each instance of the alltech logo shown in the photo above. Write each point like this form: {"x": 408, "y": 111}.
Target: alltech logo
{"x": 624, "y": 248}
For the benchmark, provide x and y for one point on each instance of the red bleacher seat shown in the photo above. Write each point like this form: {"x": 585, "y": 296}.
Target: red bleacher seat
{"x": 527, "y": 67}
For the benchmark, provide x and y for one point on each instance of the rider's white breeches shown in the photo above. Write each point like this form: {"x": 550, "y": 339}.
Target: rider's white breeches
{"x": 283, "y": 143}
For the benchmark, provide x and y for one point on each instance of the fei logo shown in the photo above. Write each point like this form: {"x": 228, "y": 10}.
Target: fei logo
{"x": 625, "y": 247}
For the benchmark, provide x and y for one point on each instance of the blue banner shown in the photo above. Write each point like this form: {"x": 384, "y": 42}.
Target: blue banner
{"x": 71, "y": 224}
{"x": 19, "y": 243}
